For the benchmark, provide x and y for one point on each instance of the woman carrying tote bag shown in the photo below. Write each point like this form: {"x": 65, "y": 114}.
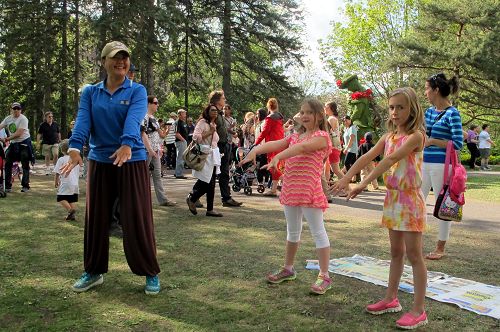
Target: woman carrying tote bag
{"x": 205, "y": 134}
{"x": 443, "y": 124}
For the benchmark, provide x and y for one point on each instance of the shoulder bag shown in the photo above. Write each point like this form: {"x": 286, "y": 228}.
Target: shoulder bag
{"x": 194, "y": 157}
{"x": 451, "y": 199}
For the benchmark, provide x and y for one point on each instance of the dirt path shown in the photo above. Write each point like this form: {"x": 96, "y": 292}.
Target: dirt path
{"x": 483, "y": 216}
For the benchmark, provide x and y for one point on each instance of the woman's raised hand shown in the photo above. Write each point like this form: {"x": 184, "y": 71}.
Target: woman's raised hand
{"x": 74, "y": 159}
{"x": 122, "y": 155}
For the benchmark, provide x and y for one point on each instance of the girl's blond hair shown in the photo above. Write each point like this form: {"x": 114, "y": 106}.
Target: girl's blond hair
{"x": 416, "y": 120}
{"x": 249, "y": 115}
{"x": 319, "y": 115}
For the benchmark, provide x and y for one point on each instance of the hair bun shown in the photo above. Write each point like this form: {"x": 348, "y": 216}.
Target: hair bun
{"x": 454, "y": 84}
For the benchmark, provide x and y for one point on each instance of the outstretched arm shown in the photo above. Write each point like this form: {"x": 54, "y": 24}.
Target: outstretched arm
{"x": 314, "y": 144}
{"x": 414, "y": 143}
{"x": 265, "y": 148}
{"x": 361, "y": 163}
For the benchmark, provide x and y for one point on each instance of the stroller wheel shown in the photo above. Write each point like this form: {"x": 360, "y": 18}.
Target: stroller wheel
{"x": 261, "y": 188}
{"x": 3, "y": 194}
{"x": 236, "y": 188}
{"x": 248, "y": 191}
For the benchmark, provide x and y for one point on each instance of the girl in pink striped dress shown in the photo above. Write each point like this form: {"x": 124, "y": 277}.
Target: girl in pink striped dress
{"x": 404, "y": 205}
{"x": 302, "y": 195}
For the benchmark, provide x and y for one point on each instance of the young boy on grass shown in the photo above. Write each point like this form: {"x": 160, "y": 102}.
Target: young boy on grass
{"x": 67, "y": 192}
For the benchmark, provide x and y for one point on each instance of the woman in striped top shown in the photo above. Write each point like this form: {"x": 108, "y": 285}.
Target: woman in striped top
{"x": 443, "y": 123}
{"x": 302, "y": 195}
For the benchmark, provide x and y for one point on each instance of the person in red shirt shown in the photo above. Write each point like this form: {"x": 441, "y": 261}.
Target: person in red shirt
{"x": 272, "y": 131}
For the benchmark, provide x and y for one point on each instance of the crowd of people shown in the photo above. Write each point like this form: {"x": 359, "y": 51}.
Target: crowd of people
{"x": 127, "y": 146}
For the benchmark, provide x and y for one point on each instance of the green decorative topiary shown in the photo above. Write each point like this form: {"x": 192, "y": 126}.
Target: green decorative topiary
{"x": 360, "y": 112}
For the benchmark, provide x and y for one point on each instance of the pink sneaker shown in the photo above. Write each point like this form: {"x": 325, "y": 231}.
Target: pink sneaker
{"x": 381, "y": 307}
{"x": 321, "y": 285}
{"x": 281, "y": 275}
{"x": 410, "y": 322}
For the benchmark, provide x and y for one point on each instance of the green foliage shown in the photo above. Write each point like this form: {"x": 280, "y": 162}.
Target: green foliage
{"x": 177, "y": 47}
{"x": 461, "y": 40}
{"x": 362, "y": 43}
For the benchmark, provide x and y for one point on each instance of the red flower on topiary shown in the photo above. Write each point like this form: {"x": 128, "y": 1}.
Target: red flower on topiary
{"x": 358, "y": 95}
{"x": 339, "y": 83}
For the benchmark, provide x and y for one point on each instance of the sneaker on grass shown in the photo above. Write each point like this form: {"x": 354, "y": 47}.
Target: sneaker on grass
{"x": 321, "y": 285}
{"x": 281, "y": 275}
{"x": 87, "y": 281}
{"x": 152, "y": 285}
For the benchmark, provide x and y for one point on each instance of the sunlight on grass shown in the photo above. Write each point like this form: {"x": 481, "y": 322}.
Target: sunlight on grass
{"x": 484, "y": 188}
{"x": 213, "y": 273}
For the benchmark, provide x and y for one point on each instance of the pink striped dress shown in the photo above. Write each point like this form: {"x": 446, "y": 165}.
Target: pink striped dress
{"x": 404, "y": 204}
{"x": 302, "y": 176}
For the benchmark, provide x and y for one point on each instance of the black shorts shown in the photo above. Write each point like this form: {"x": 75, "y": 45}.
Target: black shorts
{"x": 349, "y": 160}
{"x": 69, "y": 198}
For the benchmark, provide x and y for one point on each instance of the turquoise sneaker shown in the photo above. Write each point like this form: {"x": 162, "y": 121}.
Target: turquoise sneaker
{"x": 87, "y": 281}
{"x": 152, "y": 285}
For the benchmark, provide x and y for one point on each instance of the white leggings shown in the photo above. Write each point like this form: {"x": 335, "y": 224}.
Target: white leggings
{"x": 432, "y": 176}
{"x": 314, "y": 217}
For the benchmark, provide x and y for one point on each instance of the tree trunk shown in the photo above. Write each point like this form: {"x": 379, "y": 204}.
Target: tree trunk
{"x": 102, "y": 35}
{"x": 226, "y": 49}
{"x": 77, "y": 71}
{"x": 186, "y": 66}
{"x": 64, "y": 68}
{"x": 457, "y": 66}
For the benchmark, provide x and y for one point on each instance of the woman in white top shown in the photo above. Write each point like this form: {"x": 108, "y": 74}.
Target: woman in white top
{"x": 485, "y": 143}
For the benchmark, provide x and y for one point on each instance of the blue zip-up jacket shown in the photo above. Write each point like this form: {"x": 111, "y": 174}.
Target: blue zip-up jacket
{"x": 448, "y": 127}
{"x": 111, "y": 120}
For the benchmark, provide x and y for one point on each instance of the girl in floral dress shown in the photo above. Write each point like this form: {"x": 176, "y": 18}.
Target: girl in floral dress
{"x": 404, "y": 205}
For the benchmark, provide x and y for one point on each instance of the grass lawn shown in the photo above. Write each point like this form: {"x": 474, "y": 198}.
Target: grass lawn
{"x": 484, "y": 187}
{"x": 212, "y": 273}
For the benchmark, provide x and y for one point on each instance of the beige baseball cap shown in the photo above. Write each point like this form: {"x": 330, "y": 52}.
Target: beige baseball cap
{"x": 114, "y": 47}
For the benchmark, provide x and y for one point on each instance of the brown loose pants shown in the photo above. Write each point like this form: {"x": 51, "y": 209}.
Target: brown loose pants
{"x": 130, "y": 184}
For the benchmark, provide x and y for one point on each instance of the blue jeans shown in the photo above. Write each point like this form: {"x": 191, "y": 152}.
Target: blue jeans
{"x": 180, "y": 146}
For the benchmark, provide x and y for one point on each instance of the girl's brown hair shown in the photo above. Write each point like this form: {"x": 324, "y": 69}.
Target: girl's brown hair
{"x": 416, "y": 120}
{"x": 319, "y": 115}
{"x": 333, "y": 107}
{"x": 272, "y": 104}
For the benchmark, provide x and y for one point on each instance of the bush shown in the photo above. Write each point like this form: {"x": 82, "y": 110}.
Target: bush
{"x": 494, "y": 158}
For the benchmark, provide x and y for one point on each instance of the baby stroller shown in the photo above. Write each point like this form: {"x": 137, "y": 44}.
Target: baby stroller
{"x": 243, "y": 176}
{"x": 3, "y": 193}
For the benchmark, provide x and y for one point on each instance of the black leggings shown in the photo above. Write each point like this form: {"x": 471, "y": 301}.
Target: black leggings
{"x": 17, "y": 152}
{"x": 349, "y": 160}
{"x": 474, "y": 154}
{"x": 201, "y": 188}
